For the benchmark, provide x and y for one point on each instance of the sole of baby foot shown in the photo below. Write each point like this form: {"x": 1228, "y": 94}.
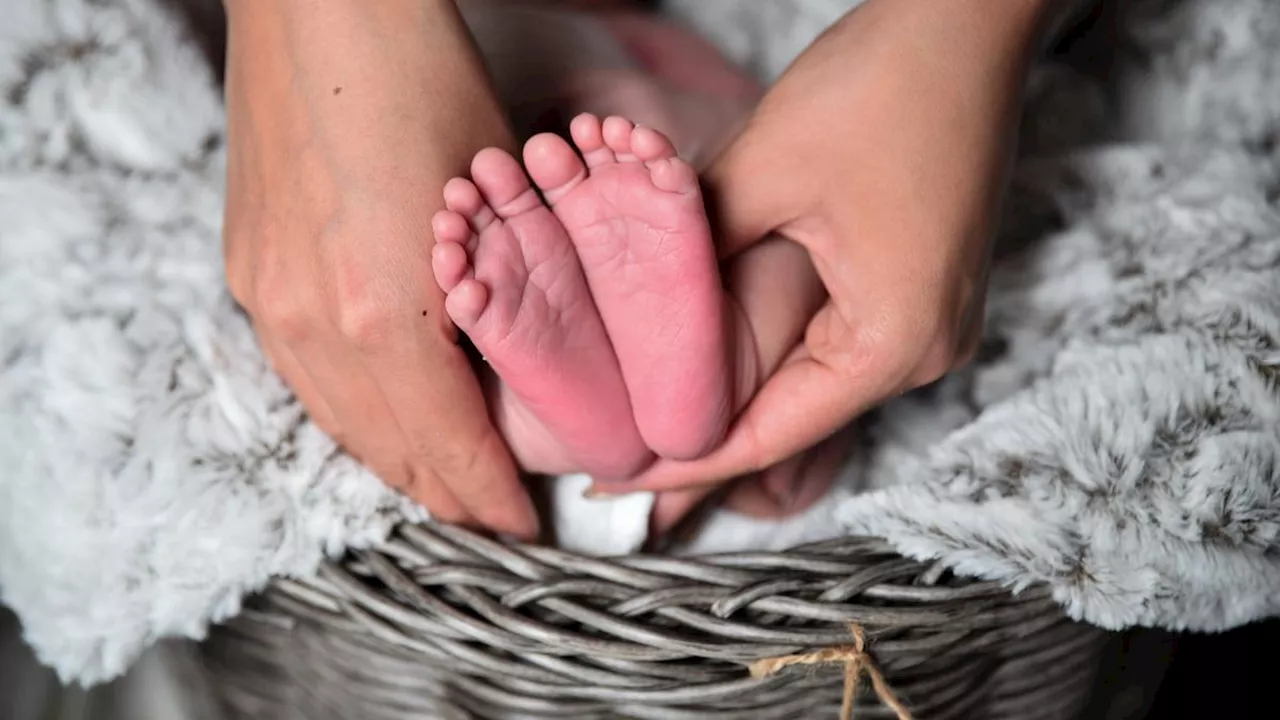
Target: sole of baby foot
{"x": 635, "y": 213}
{"x": 514, "y": 285}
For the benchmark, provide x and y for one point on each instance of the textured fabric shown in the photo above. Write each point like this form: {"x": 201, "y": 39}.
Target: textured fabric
{"x": 1118, "y": 438}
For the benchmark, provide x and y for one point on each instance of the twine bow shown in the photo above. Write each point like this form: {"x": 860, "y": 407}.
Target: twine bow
{"x": 856, "y": 661}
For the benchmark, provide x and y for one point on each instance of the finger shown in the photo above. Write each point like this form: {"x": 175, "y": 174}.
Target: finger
{"x": 805, "y": 402}
{"x": 303, "y": 387}
{"x": 795, "y": 485}
{"x": 783, "y": 490}
{"x": 438, "y": 405}
{"x": 971, "y": 332}
{"x": 371, "y": 431}
{"x": 753, "y": 499}
{"x": 771, "y": 493}
{"x": 670, "y": 509}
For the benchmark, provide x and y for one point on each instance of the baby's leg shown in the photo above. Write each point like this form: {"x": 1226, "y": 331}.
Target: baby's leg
{"x": 680, "y": 58}
{"x": 679, "y": 84}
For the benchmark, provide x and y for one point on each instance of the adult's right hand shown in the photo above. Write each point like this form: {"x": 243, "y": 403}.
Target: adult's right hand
{"x": 897, "y": 219}
{"x": 345, "y": 120}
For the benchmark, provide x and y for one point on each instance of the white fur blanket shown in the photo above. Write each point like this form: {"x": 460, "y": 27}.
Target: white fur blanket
{"x": 1119, "y": 439}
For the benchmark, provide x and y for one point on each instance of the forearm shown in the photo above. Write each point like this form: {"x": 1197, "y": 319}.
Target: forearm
{"x": 371, "y": 66}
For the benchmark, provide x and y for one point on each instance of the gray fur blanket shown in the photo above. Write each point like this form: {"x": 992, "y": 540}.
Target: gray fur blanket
{"x": 1119, "y": 438}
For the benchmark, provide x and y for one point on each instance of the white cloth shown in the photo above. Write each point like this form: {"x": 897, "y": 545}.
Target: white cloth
{"x": 1121, "y": 445}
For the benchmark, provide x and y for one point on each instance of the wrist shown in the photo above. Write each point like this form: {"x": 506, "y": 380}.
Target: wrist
{"x": 386, "y": 59}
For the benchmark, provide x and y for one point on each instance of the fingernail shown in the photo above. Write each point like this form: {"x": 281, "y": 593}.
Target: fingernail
{"x": 786, "y": 492}
{"x": 596, "y": 492}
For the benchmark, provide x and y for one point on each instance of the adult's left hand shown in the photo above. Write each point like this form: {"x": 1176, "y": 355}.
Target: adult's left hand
{"x": 884, "y": 151}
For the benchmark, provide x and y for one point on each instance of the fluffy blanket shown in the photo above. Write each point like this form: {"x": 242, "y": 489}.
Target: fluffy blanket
{"x": 1119, "y": 438}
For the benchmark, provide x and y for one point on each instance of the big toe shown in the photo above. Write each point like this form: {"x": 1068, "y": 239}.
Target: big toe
{"x": 503, "y": 183}
{"x": 553, "y": 165}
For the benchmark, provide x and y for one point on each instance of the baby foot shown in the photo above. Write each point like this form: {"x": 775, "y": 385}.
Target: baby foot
{"x": 634, "y": 211}
{"x": 515, "y": 287}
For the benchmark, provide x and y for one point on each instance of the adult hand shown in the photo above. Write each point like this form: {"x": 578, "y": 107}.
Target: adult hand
{"x": 884, "y": 152}
{"x": 345, "y": 120}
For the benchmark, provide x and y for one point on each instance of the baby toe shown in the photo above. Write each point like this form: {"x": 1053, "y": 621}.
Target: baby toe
{"x": 617, "y": 135}
{"x": 649, "y": 145}
{"x": 502, "y": 183}
{"x": 588, "y": 135}
{"x": 673, "y": 175}
{"x": 463, "y": 197}
{"x": 466, "y": 303}
{"x": 449, "y": 264}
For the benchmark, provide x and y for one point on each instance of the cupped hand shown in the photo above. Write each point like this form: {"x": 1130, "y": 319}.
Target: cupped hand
{"x": 884, "y": 152}
{"x": 345, "y": 120}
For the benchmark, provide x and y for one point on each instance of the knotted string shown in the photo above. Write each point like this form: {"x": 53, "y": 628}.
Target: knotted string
{"x": 856, "y": 661}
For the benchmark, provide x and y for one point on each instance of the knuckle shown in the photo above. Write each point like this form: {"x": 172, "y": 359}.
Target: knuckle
{"x": 391, "y": 471}
{"x": 923, "y": 345}
{"x": 938, "y": 359}
{"x": 462, "y": 460}
{"x": 239, "y": 277}
{"x": 241, "y": 241}
{"x": 967, "y": 352}
{"x": 362, "y": 312}
{"x": 428, "y": 489}
{"x": 239, "y": 287}
{"x": 284, "y": 312}
{"x": 882, "y": 349}
{"x": 757, "y": 454}
{"x": 840, "y": 343}
{"x": 364, "y": 322}
{"x": 331, "y": 429}
{"x": 448, "y": 514}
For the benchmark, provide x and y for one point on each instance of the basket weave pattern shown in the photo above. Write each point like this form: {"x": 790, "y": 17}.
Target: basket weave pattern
{"x": 443, "y": 623}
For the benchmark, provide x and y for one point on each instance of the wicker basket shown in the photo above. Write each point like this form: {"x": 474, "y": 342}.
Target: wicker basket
{"x": 443, "y": 623}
